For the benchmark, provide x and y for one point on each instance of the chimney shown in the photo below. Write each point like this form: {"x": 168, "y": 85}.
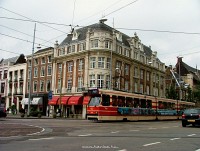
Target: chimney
{"x": 102, "y": 20}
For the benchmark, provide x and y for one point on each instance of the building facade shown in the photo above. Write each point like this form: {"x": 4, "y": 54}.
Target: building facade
{"x": 100, "y": 56}
{"x": 12, "y": 81}
{"x": 39, "y": 80}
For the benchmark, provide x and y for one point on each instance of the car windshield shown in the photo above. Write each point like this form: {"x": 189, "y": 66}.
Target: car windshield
{"x": 189, "y": 111}
{"x": 95, "y": 101}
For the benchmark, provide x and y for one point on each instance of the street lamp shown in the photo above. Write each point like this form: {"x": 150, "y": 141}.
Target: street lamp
{"x": 118, "y": 81}
{"x": 30, "y": 80}
{"x": 179, "y": 80}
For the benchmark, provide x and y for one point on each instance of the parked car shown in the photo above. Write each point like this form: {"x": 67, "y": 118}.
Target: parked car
{"x": 3, "y": 112}
{"x": 191, "y": 116}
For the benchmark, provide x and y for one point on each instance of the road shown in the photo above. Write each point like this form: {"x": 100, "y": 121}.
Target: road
{"x": 83, "y": 135}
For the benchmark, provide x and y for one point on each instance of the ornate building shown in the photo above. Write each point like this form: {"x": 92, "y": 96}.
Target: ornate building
{"x": 100, "y": 56}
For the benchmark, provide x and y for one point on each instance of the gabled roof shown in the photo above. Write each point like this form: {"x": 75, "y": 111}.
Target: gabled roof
{"x": 100, "y": 26}
{"x": 43, "y": 50}
{"x": 83, "y": 31}
{"x": 14, "y": 60}
{"x": 190, "y": 69}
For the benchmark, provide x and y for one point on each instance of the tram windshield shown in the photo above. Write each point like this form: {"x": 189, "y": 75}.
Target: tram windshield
{"x": 95, "y": 101}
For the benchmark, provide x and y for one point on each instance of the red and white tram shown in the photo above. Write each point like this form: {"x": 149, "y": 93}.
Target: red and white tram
{"x": 108, "y": 105}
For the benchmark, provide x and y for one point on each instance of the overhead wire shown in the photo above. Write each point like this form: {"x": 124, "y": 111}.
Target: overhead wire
{"x": 21, "y": 39}
{"x": 31, "y": 19}
{"x": 25, "y": 33}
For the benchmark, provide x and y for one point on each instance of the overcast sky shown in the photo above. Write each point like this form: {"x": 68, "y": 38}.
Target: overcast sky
{"x": 180, "y": 17}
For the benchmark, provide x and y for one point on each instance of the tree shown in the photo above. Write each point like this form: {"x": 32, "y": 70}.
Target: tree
{"x": 171, "y": 93}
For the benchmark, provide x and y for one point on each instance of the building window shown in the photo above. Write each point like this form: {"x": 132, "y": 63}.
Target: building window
{"x": 148, "y": 76}
{"x": 101, "y": 62}
{"x": 141, "y": 88}
{"x": 59, "y": 84}
{"x": 49, "y": 59}
{"x": 108, "y": 81}
{"x": 41, "y": 86}
{"x": 135, "y": 55}
{"x": 94, "y": 43}
{"x": 100, "y": 81}
{"x": 81, "y": 47}
{"x": 136, "y": 72}
{"x": 148, "y": 90}
{"x": 92, "y": 62}
{"x": 80, "y": 65}
{"x": 59, "y": 68}
{"x": 35, "y": 72}
{"x": 69, "y": 84}
{"x": 126, "y": 85}
{"x": 118, "y": 65}
{"x": 92, "y": 81}
{"x": 108, "y": 44}
{"x": 29, "y": 63}
{"x": 136, "y": 86}
{"x": 48, "y": 85}
{"x": 108, "y": 63}
{"x": 42, "y": 72}
{"x": 61, "y": 51}
{"x": 70, "y": 66}
{"x": 49, "y": 71}
{"x": 35, "y": 86}
{"x": 43, "y": 60}
{"x": 29, "y": 73}
{"x": 69, "y": 49}
{"x": 80, "y": 82}
{"x": 127, "y": 52}
{"x": 73, "y": 48}
{"x": 35, "y": 61}
{"x": 119, "y": 49}
{"x": 127, "y": 69}
{"x": 141, "y": 74}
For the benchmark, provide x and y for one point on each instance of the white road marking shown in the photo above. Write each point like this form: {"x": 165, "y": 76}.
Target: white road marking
{"x": 152, "y": 128}
{"x": 115, "y": 132}
{"x": 174, "y": 139}
{"x": 122, "y": 150}
{"x": 133, "y": 130}
{"x": 197, "y": 150}
{"x": 192, "y": 135}
{"x": 85, "y": 135}
{"x": 152, "y": 144}
{"x": 37, "y": 139}
{"x": 165, "y": 127}
{"x": 36, "y": 132}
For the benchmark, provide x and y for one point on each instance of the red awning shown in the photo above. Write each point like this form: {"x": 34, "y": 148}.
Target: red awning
{"x": 64, "y": 100}
{"x": 54, "y": 100}
{"x": 86, "y": 100}
{"x": 75, "y": 100}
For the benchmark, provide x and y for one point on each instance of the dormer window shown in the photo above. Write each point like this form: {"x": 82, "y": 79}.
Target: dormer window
{"x": 75, "y": 35}
{"x": 119, "y": 36}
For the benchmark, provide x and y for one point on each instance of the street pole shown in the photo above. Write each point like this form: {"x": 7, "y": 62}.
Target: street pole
{"x": 60, "y": 89}
{"x": 179, "y": 80}
{"x": 30, "y": 80}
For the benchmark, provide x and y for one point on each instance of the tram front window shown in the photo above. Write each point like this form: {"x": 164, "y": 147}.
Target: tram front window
{"x": 95, "y": 101}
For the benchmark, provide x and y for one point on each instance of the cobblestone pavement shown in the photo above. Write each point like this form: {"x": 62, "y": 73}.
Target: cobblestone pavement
{"x": 7, "y": 130}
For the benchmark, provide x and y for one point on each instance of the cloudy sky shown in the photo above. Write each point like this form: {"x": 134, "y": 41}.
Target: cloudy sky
{"x": 170, "y": 27}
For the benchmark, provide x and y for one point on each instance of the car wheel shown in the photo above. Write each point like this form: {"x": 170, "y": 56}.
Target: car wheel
{"x": 183, "y": 124}
{"x": 193, "y": 125}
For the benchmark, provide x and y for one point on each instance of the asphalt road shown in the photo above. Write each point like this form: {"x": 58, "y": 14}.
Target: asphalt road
{"x": 83, "y": 135}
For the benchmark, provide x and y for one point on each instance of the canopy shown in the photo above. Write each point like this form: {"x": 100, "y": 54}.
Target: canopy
{"x": 75, "y": 100}
{"x": 54, "y": 100}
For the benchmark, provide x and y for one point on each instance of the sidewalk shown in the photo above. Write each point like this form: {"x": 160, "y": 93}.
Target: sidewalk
{"x": 18, "y": 116}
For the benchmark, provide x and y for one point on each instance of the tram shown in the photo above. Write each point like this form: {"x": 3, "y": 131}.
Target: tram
{"x": 113, "y": 105}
